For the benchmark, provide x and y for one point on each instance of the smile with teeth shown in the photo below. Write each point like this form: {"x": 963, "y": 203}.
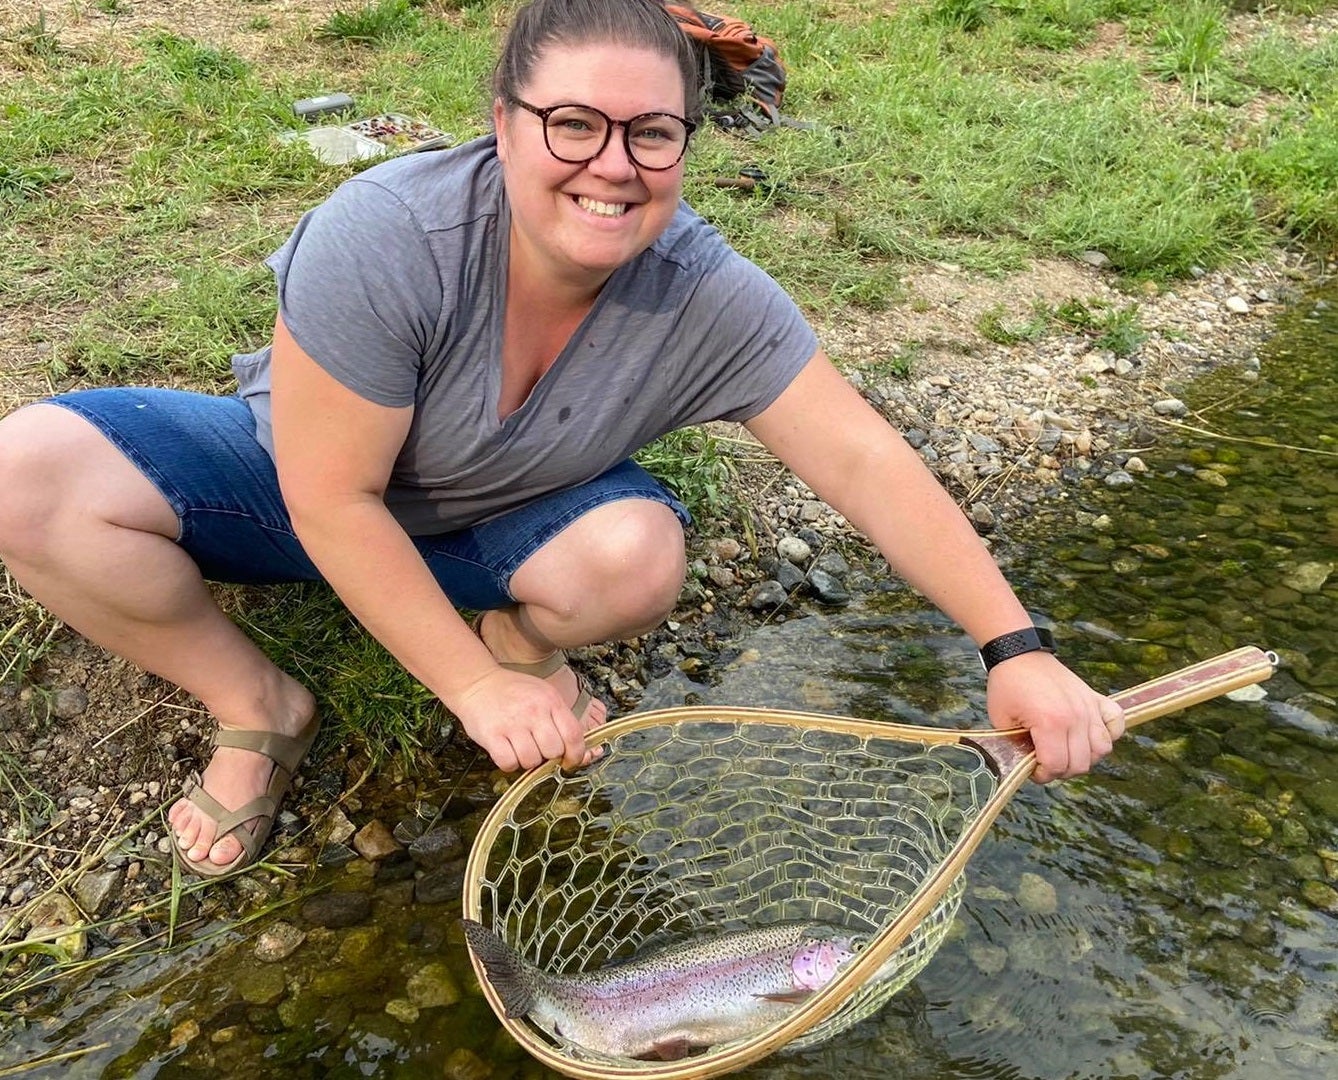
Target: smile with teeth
{"x": 603, "y": 209}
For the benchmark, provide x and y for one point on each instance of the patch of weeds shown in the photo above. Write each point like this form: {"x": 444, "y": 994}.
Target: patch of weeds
{"x": 373, "y": 23}
{"x": 1303, "y": 72}
{"x": 901, "y": 364}
{"x": 112, "y": 7}
{"x": 964, "y": 15}
{"x": 363, "y": 692}
{"x": 260, "y": 22}
{"x": 992, "y": 327}
{"x": 1119, "y": 330}
{"x": 1293, "y": 175}
{"x": 1051, "y": 24}
{"x": 30, "y": 803}
{"x": 20, "y": 183}
{"x": 874, "y": 290}
{"x": 27, "y": 637}
{"x": 189, "y": 60}
{"x": 1191, "y": 42}
{"x": 36, "y": 40}
{"x": 695, "y": 466}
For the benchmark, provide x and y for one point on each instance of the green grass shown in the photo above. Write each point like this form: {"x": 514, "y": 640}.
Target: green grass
{"x": 1119, "y": 330}
{"x": 143, "y": 185}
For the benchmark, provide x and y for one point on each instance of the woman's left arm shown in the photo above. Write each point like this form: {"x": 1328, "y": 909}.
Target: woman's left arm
{"x": 852, "y": 458}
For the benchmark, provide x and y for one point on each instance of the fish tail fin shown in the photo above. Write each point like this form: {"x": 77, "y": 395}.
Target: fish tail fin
{"x": 508, "y": 973}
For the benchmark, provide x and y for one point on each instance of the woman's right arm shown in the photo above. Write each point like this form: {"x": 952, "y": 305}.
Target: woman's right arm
{"x": 335, "y": 451}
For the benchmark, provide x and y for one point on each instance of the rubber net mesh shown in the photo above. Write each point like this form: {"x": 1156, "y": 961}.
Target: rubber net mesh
{"x": 696, "y": 827}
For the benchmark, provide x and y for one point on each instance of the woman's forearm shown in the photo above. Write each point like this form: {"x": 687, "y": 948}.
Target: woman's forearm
{"x": 382, "y": 579}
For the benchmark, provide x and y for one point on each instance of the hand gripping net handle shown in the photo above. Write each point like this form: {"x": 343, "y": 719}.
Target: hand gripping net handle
{"x": 906, "y": 941}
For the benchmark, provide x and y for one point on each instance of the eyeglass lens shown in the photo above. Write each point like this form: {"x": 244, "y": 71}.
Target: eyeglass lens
{"x": 578, "y": 133}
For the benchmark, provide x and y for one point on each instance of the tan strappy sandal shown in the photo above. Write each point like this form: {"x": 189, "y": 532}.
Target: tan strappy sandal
{"x": 541, "y": 669}
{"x": 287, "y": 753}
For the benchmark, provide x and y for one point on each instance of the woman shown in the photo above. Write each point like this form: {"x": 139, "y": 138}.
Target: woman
{"x": 469, "y": 346}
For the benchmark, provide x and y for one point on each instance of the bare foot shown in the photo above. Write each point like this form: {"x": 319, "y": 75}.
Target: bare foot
{"x": 234, "y": 777}
{"x": 500, "y": 632}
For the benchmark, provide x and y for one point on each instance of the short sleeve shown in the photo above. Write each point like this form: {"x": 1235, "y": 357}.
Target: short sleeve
{"x": 360, "y": 292}
{"x": 746, "y": 340}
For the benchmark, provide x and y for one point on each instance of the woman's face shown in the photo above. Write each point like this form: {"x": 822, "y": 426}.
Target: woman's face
{"x": 581, "y": 222}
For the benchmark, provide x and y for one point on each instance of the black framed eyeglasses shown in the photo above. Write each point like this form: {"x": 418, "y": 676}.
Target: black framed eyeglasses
{"x": 578, "y": 133}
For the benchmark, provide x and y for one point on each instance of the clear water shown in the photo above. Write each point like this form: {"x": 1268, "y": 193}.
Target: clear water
{"x": 1172, "y": 915}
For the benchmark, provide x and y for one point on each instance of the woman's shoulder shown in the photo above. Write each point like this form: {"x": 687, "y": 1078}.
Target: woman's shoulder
{"x": 436, "y": 189}
{"x": 690, "y": 242}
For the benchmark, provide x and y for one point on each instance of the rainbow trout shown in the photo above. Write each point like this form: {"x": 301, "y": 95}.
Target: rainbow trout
{"x": 674, "y": 999}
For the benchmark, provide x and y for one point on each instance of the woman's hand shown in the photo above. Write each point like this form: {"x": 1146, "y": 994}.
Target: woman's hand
{"x": 522, "y": 721}
{"x": 1071, "y": 725}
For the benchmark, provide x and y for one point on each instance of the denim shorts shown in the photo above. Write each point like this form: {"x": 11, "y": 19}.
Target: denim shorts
{"x": 200, "y": 451}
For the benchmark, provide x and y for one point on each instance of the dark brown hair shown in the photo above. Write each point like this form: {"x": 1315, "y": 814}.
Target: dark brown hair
{"x": 644, "y": 24}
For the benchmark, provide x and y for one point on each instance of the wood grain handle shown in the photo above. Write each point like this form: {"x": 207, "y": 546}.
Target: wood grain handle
{"x": 1196, "y": 683}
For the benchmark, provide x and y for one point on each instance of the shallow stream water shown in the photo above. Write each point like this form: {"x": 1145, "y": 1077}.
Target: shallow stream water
{"x": 1172, "y": 915}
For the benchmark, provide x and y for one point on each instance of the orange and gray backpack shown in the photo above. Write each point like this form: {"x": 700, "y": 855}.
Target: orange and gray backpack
{"x": 741, "y": 70}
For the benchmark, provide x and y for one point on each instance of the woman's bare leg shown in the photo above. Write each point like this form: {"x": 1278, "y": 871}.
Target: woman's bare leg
{"x": 92, "y": 540}
{"x": 612, "y": 574}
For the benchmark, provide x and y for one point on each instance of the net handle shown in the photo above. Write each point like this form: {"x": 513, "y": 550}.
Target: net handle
{"x": 1015, "y": 758}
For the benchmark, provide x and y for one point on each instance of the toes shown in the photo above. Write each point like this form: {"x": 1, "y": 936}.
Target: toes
{"x": 223, "y": 852}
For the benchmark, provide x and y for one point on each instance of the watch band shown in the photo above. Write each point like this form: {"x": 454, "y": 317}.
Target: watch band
{"x": 1006, "y": 646}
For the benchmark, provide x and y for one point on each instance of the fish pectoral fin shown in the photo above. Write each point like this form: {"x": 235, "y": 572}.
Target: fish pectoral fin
{"x": 668, "y": 1050}
{"x": 788, "y": 997}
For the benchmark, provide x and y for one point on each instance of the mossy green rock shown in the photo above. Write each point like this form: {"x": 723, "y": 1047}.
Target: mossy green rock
{"x": 261, "y": 984}
{"x": 1241, "y": 771}
{"x": 433, "y": 985}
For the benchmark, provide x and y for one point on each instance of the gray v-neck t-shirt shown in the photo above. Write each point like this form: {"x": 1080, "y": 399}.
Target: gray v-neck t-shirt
{"x": 396, "y": 286}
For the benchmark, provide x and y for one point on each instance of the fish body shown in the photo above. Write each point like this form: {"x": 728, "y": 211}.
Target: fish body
{"x": 674, "y": 999}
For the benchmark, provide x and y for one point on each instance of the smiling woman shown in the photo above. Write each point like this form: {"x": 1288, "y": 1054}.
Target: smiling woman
{"x": 471, "y": 344}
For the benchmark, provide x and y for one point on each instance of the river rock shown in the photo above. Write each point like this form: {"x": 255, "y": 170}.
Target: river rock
{"x": 1118, "y": 478}
{"x": 95, "y": 891}
{"x": 403, "y": 1010}
{"x": 440, "y": 885}
{"x": 438, "y": 846}
{"x": 1307, "y": 577}
{"x": 767, "y": 596}
{"x": 1237, "y": 305}
{"x": 278, "y": 942}
{"x": 58, "y": 923}
{"x": 433, "y": 985}
{"x": 374, "y": 841}
{"x": 335, "y": 910}
{"x": 723, "y": 549}
{"x": 335, "y": 827}
{"x": 464, "y": 1064}
{"x": 827, "y": 588}
{"x": 69, "y": 702}
{"x": 1036, "y": 896}
{"x": 262, "y": 984}
{"x": 832, "y": 563}
{"x": 722, "y": 577}
{"x": 1170, "y": 407}
{"x": 789, "y": 576}
{"x": 794, "y": 550}
{"x": 989, "y": 959}
{"x": 1321, "y": 895}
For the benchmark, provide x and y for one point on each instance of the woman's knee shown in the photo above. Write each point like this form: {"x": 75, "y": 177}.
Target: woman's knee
{"x": 627, "y": 558}
{"x": 55, "y": 469}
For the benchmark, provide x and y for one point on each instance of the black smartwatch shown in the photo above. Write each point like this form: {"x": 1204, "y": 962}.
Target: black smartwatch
{"x": 1006, "y": 646}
